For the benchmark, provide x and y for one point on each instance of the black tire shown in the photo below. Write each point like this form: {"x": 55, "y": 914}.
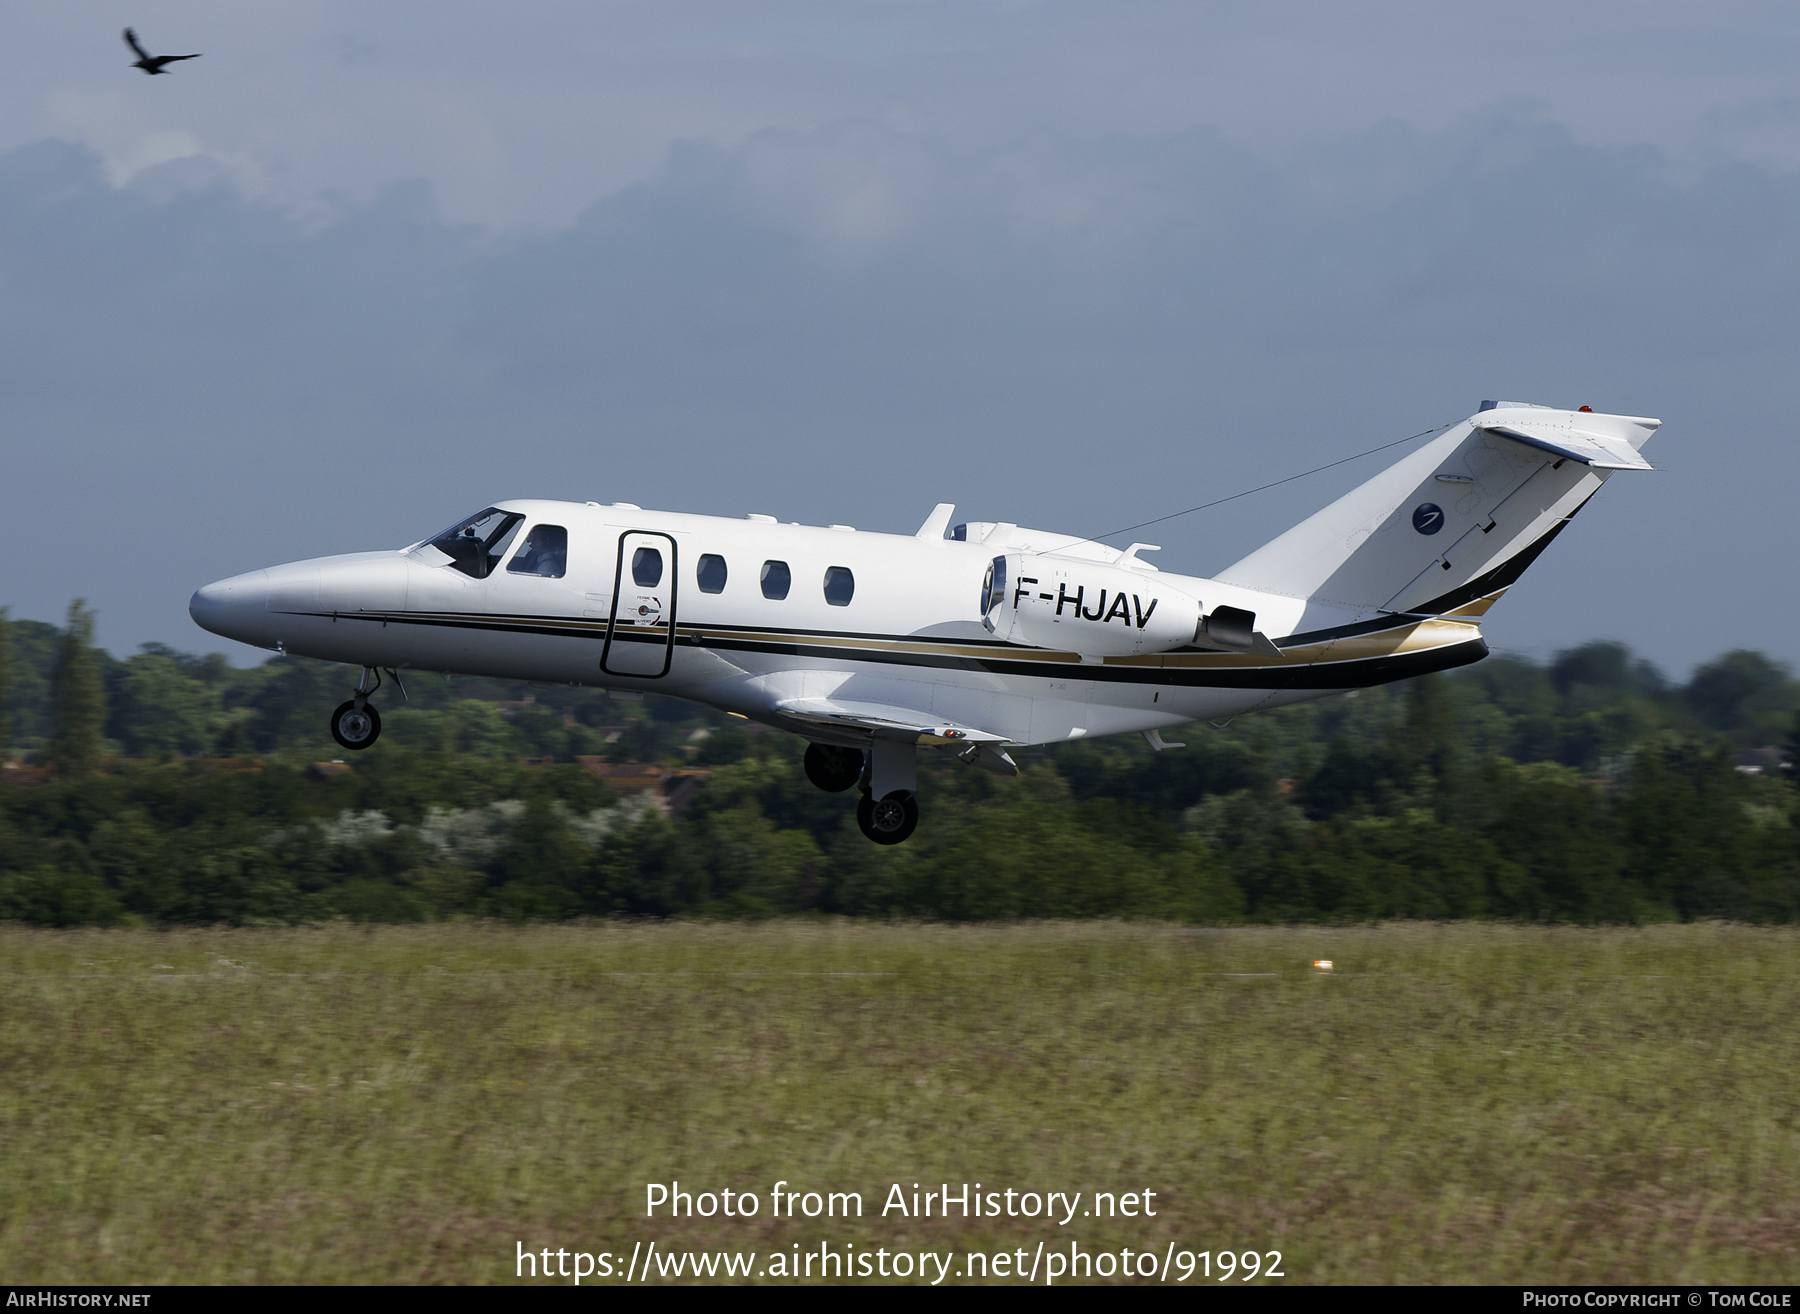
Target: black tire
{"x": 353, "y": 729}
{"x": 891, "y": 820}
{"x": 831, "y": 768}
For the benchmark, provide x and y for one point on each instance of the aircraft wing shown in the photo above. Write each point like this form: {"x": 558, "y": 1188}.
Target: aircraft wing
{"x": 886, "y": 722}
{"x": 1601, "y": 451}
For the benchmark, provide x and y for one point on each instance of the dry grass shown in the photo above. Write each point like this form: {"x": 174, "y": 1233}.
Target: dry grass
{"x": 1454, "y": 1103}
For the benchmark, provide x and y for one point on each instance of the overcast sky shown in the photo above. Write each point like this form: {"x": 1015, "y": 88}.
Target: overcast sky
{"x": 364, "y": 268}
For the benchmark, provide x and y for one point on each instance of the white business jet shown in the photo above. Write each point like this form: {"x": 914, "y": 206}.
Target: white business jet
{"x": 969, "y": 640}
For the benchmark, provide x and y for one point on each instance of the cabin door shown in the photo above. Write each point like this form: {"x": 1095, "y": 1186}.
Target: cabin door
{"x": 640, "y": 628}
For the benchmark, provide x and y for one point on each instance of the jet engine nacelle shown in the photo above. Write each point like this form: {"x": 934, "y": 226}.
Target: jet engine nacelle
{"x": 1085, "y": 607}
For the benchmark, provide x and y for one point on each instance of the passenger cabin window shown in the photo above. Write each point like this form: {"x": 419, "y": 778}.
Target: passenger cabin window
{"x": 776, "y": 579}
{"x": 711, "y": 573}
{"x": 840, "y": 586}
{"x": 545, "y": 553}
{"x": 646, "y": 567}
{"x": 476, "y": 545}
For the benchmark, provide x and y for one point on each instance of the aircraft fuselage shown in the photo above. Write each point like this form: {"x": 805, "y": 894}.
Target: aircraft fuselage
{"x": 909, "y": 634}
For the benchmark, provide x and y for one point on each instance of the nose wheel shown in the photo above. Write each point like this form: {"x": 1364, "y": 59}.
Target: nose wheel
{"x": 889, "y": 820}
{"x": 356, "y": 727}
{"x": 356, "y": 724}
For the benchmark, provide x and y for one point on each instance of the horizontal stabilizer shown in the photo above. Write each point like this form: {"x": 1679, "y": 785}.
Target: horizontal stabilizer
{"x": 1601, "y": 451}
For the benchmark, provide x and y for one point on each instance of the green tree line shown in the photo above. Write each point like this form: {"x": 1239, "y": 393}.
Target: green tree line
{"x": 169, "y": 788}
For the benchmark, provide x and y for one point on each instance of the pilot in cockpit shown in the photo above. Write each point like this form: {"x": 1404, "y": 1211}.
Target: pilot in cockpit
{"x": 545, "y": 553}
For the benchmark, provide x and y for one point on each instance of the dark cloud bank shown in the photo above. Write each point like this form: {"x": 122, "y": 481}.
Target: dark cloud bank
{"x": 195, "y": 385}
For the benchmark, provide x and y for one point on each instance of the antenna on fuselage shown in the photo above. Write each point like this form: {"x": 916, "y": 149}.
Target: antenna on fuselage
{"x": 1173, "y": 515}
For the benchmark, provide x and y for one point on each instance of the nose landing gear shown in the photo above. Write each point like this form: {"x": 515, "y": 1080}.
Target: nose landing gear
{"x": 356, "y": 724}
{"x": 356, "y": 727}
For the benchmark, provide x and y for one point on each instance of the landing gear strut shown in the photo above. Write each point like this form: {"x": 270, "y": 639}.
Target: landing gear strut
{"x": 357, "y": 724}
{"x": 888, "y": 812}
{"x": 889, "y": 820}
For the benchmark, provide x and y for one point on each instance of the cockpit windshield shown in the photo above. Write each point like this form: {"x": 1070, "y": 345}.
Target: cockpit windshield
{"x": 476, "y": 545}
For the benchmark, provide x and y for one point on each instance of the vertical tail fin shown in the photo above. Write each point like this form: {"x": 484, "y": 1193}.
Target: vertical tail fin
{"x": 1457, "y": 521}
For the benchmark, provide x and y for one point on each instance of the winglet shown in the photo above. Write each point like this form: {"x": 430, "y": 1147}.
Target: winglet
{"x": 938, "y": 521}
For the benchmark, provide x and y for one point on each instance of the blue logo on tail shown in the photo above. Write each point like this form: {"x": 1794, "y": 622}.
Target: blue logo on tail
{"x": 1428, "y": 518}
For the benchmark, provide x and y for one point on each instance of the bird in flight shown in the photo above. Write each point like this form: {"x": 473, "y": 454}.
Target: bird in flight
{"x": 148, "y": 62}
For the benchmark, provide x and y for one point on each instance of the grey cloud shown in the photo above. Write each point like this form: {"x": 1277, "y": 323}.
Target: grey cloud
{"x": 523, "y": 122}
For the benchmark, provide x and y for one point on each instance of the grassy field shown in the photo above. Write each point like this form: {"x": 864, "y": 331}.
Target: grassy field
{"x": 1459, "y": 1103}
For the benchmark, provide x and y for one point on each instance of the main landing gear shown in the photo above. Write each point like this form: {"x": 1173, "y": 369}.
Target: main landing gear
{"x": 890, "y": 820}
{"x": 357, "y": 724}
{"x": 831, "y": 768}
{"x": 887, "y": 811}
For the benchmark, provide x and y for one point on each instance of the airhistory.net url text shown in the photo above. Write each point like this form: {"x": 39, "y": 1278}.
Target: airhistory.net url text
{"x": 1047, "y": 1264}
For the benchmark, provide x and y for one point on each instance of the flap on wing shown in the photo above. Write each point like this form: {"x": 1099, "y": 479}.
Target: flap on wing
{"x": 1602, "y": 451}
{"x": 886, "y": 721}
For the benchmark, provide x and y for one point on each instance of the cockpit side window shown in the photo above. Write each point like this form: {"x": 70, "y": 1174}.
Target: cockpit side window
{"x": 545, "y": 553}
{"x": 476, "y": 545}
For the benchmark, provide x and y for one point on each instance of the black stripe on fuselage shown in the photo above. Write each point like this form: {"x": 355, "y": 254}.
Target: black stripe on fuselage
{"x": 1351, "y": 673}
{"x": 1386, "y": 621}
{"x": 570, "y": 626}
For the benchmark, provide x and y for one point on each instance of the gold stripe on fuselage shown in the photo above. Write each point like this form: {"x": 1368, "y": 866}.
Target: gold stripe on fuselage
{"x": 1409, "y": 637}
{"x": 1479, "y": 606}
{"x": 1405, "y": 637}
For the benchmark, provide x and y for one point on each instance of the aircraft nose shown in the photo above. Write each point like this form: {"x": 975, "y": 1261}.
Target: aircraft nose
{"x": 235, "y": 608}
